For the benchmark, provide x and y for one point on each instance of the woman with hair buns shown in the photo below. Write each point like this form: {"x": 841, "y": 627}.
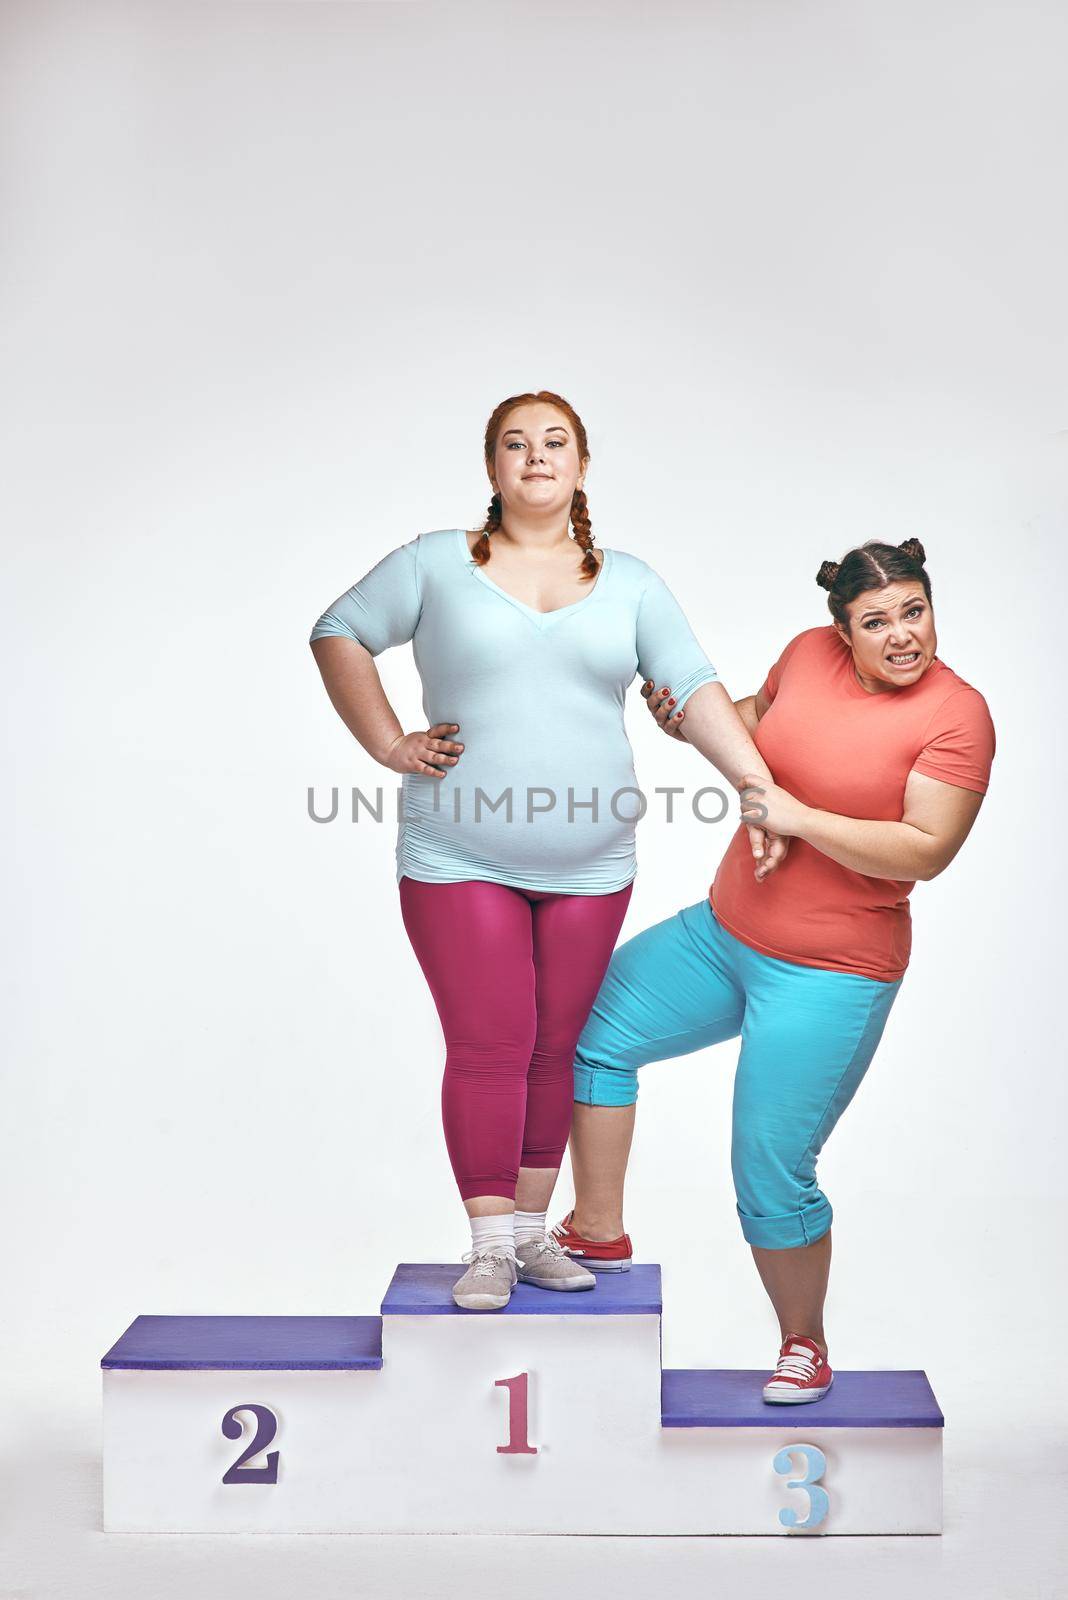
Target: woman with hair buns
{"x": 515, "y": 850}
{"x": 881, "y": 755}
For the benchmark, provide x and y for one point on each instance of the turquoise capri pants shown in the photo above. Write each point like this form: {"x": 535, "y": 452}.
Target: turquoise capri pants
{"x": 807, "y": 1038}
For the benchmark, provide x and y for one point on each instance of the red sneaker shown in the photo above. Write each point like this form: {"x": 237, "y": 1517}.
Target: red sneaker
{"x": 802, "y": 1372}
{"x": 599, "y": 1255}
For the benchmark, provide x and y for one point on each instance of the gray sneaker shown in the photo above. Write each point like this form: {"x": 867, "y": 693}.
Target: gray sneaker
{"x": 488, "y": 1282}
{"x": 543, "y": 1263}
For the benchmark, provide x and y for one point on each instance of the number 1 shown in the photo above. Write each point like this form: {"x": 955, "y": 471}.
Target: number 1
{"x": 517, "y": 1417}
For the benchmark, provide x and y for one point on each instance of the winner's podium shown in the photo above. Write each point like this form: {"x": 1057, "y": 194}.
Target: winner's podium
{"x": 551, "y": 1416}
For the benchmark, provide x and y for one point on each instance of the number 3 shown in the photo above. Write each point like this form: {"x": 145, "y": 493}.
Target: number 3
{"x": 815, "y": 1466}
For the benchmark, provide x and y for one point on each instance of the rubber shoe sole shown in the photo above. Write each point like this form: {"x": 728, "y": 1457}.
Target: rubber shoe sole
{"x": 563, "y": 1284}
{"x": 798, "y": 1398}
{"x": 481, "y": 1302}
{"x": 600, "y": 1266}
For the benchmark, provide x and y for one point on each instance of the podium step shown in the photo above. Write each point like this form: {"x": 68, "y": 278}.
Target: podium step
{"x": 248, "y": 1344}
{"x": 426, "y": 1290}
{"x": 711, "y": 1398}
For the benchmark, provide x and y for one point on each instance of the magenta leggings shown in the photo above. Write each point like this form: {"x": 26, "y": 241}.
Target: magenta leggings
{"x": 514, "y": 974}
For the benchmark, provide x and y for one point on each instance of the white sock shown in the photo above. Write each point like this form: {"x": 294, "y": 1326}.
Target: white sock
{"x": 494, "y": 1234}
{"x": 529, "y": 1225}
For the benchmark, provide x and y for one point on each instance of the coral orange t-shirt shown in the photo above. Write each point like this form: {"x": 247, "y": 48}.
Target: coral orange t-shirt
{"x": 837, "y": 747}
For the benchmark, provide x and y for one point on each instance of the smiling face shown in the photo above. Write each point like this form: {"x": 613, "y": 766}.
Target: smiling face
{"x": 536, "y": 466}
{"x": 891, "y": 634}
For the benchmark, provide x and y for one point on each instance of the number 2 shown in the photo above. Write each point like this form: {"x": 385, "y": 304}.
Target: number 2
{"x": 266, "y": 1426}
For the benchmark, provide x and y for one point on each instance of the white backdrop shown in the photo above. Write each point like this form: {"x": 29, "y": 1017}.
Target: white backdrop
{"x": 267, "y": 269}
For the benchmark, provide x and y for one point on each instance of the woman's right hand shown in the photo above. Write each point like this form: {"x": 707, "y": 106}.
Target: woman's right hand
{"x": 769, "y": 849}
{"x": 428, "y": 752}
{"x": 662, "y": 705}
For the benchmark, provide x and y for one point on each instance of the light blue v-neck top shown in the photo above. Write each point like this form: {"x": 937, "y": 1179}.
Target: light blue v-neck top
{"x": 544, "y": 795}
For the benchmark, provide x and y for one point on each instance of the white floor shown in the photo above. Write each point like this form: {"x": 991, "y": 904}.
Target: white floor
{"x": 1006, "y": 1510}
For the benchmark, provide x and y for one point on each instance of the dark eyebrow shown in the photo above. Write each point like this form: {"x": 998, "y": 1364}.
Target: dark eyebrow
{"x": 556, "y": 428}
{"x": 881, "y": 613}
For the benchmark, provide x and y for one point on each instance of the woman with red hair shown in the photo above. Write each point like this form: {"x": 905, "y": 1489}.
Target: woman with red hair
{"x": 515, "y": 850}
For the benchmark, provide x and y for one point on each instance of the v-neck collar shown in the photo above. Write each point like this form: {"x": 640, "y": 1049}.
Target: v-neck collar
{"x": 540, "y": 619}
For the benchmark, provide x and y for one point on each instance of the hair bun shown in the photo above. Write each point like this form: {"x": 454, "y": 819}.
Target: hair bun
{"x": 827, "y": 574}
{"x": 914, "y": 550}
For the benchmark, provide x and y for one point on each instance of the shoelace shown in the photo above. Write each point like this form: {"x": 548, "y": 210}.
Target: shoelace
{"x": 801, "y": 1367}
{"x": 546, "y": 1244}
{"x": 484, "y": 1262}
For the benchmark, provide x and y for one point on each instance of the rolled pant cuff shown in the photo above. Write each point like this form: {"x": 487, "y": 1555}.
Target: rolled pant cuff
{"x": 787, "y": 1232}
{"x": 597, "y": 1086}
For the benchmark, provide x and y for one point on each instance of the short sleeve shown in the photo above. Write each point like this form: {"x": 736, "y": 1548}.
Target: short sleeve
{"x": 668, "y": 652}
{"x": 383, "y": 608}
{"x": 958, "y": 743}
{"x": 771, "y": 683}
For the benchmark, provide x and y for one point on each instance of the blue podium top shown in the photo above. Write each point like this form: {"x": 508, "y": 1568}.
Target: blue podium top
{"x": 250, "y": 1344}
{"x": 732, "y": 1399}
{"x": 426, "y": 1290}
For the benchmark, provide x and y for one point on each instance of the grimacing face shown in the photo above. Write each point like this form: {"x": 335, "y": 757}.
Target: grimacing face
{"x": 892, "y": 635}
{"x": 536, "y": 466}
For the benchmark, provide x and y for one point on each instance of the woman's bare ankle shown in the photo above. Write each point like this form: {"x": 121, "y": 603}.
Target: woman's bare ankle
{"x": 601, "y": 1228}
